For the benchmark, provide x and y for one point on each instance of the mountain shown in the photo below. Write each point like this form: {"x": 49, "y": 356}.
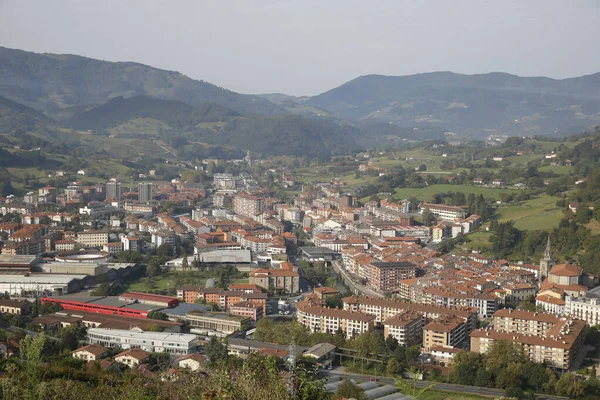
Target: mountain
{"x": 51, "y": 82}
{"x": 296, "y": 105}
{"x": 119, "y": 110}
{"x": 494, "y": 102}
{"x": 14, "y": 116}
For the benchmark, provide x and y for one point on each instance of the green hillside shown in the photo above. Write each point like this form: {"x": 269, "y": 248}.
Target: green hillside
{"x": 51, "y": 82}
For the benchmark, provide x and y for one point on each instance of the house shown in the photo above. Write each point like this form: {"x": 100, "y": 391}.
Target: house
{"x": 498, "y": 182}
{"x": 81, "y": 172}
{"x": 60, "y": 173}
{"x": 91, "y": 352}
{"x": 14, "y": 307}
{"x": 192, "y": 361}
{"x": 132, "y": 357}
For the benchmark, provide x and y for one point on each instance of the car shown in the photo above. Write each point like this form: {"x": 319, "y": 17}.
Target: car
{"x": 373, "y": 379}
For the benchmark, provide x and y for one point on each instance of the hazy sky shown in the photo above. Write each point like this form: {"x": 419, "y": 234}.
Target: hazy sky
{"x": 305, "y": 47}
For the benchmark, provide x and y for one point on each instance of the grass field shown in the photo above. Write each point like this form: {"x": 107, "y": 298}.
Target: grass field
{"x": 559, "y": 170}
{"x": 145, "y": 126}
{"x": 479, "y": 241}
{"x": 540, "y": 213}
{"x": 428, "y": 192}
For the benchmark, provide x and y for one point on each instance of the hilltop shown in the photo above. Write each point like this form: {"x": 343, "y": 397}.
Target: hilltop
{"x": 485, "y": 103}
{"x": 51, "y": 82}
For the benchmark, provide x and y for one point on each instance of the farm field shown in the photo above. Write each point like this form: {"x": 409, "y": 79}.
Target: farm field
{"x": 540, "y": 213}
{"x": 428, "y": 192}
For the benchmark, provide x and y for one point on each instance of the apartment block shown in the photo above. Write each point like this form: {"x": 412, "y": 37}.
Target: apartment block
{"x": 545, "y": 338}
{"x": 383, "y": 309}
{"x": 450, "y": 331}
{"x": 247, "y": 205}
{"x": 330, "y": 320}
{"x": 406, "y": 328}
{"x": 446, "y": 213}
{"x": 385, "y": 277}
{"x": 92, "y": 238}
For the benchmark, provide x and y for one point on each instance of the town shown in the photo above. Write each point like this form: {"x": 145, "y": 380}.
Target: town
{"x": 175, "y": 268}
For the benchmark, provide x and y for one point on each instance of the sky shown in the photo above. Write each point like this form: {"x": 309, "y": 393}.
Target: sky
{"x": 306, "y": 47}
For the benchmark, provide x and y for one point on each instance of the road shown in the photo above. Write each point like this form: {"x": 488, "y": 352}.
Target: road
{"x": 352, "y": 285}
{"x": 446, "y": 387}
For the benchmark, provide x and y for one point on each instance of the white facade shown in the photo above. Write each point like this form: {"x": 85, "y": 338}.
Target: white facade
{"x": 585, "y": 308}
{"x": 175, "y": 343}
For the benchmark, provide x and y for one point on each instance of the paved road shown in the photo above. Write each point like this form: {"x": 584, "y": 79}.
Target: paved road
{"x": 446, "y": 387}
{"x": 352, "y": 285}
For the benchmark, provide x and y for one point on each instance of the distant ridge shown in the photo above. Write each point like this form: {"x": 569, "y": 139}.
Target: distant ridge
{"x": 50, "y": 82}
{"x": 474, "y": 103}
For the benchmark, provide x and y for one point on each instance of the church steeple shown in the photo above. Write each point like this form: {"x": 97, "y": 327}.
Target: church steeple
{"x": 546, "y": 262}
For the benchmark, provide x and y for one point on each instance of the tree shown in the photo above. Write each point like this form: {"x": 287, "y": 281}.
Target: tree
{"x": 410, "y": 388}
{"x": 391, "y": 343}
{"x": 215, "y": 350}
{"x": 503, "y": 353}
{"x": 348, "y": 390}
{"x": 152, "y": 268}
{"x": 103, "y": 290}
{"x": 157, "y": 315}
{"x": 527, "y": 304}
{"x": 165, "y": 251}
{"x": 428, "y": 217}
{"x": 569, "y": 385}
{"x": 184, "y": 262}
{"x": 129, "y": 256}
{"x": 393, "y": 367}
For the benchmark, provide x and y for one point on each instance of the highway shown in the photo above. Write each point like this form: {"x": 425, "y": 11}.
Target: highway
{"x": 446, "y": 387}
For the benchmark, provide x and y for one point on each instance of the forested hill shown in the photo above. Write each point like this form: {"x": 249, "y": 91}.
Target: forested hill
{"x": 494, "y": 102}
{"x": 120, "y": 110}
{"x": 50, "y": 82}
{"x": 17, "y": 116}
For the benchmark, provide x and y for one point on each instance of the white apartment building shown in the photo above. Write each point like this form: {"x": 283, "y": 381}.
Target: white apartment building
{"x": 161, "y": 342}
{"x": 447, "y": 213}
{"x": 585, "y": 308}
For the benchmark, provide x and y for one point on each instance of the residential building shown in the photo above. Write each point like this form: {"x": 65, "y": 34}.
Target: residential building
{"x": 113, "y": 190}
{"x": 405, "y": 327}
{"x": 383, "y": 309}
{"x": 545, "y": 338}
{"x": 132, "y": 357}
{"x": 92, "y": 238}
{"x": 330, "y": 320}
{"x": 14, "y": 307}
{"x": 91, "y": 352}
{"x": 446, "y": 213}
{"x": 144, "y": 192}
{"x": 193, "y": 362}
{"x": 160, "y": 342}
{"x": 586, "y": 307}
{"x": 247, "y": 309}
{"x": 113, "y": 247}
{"x": 64, "y": 245}
{"x": 385, "y": 277}
{"x": 448, "y": 332}
{"x": 247, "y": 205}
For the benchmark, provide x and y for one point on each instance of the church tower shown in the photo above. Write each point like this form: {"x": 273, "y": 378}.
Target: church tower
{"x": 546, "y": 262}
